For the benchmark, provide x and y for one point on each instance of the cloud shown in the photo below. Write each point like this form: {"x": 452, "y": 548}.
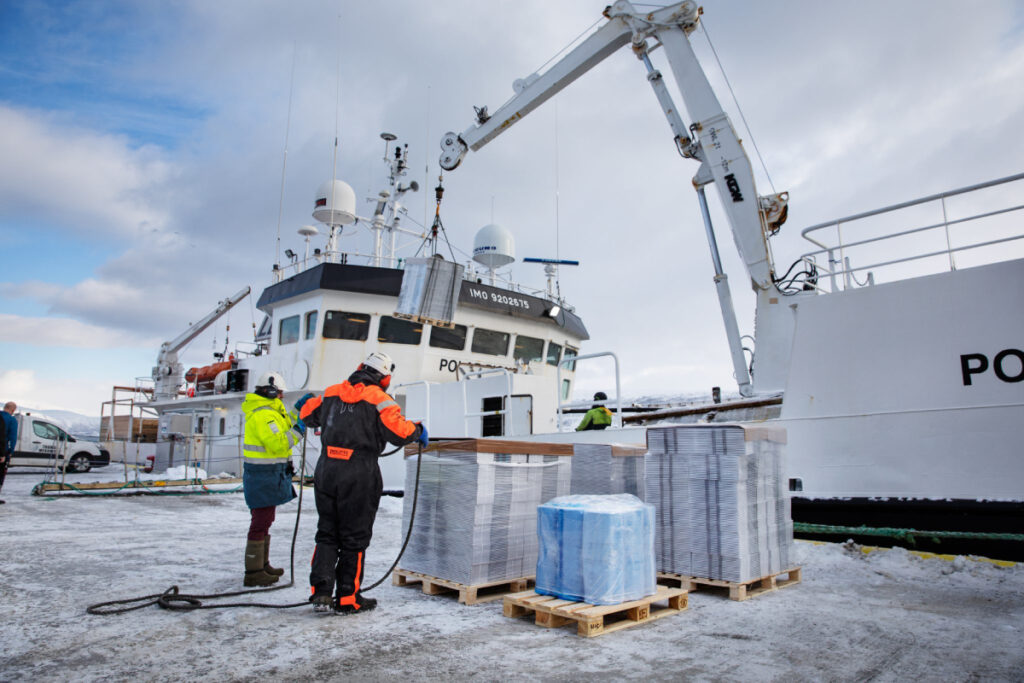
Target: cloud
{"x": 66, "y": 332}
{"x": 16, "y": 383}
{"x": 28, "y": 388}
{"x": 87, "y": 180}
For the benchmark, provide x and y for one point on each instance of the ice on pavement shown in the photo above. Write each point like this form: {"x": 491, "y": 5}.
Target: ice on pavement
{"x": 880, "y": 616}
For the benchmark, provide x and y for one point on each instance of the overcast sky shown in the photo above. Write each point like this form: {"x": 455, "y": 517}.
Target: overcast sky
{"x": 141, "y": 150}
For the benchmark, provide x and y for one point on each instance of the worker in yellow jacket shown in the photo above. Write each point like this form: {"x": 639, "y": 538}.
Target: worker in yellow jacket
{"x": 598, "y": 417}
{"x": 267, "y": 471}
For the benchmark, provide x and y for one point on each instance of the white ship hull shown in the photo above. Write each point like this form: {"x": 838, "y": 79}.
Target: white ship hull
{"x": 879, "y": 404}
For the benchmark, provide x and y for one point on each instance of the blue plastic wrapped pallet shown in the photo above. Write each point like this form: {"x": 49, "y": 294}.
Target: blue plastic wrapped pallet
{"x": 596, "y": 549}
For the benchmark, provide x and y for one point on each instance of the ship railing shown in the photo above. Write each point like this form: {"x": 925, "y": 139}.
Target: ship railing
{"x": 562, "y": 402}
{"x": 969, "y": 226}
{"x": 248, "y": 349}
{"x": 298, "y": 265}
{"x": 506, "y": 399}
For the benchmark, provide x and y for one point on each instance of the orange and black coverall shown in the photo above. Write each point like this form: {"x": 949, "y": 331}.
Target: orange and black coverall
{"x": 357, "y": 419}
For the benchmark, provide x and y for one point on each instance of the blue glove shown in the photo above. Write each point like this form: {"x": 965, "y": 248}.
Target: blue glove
{"x": 424, "y": 440}
{"x": 299, "y": 426}
{"x": 301, "y": 402}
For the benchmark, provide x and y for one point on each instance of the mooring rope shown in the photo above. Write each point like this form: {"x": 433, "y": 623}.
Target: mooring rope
{"x": 908, "y": 535}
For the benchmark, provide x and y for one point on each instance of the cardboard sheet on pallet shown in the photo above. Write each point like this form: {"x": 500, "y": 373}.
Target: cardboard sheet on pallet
{"x": 723, "y": 511}
{"x": 476, "y": 514}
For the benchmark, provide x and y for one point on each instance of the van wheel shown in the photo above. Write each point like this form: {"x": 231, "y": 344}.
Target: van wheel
{"x": 80, "y": 463}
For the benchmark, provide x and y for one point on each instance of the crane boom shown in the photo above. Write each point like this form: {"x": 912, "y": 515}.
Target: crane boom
{"x": 716, "y": 145}
{"x": 168, "y": 372}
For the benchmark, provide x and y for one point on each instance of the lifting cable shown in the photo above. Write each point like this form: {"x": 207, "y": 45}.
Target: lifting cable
{"x": 173, "y": 599}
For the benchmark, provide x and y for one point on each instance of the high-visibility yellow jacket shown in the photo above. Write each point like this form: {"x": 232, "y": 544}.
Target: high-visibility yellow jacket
{"x": 597, "y": 417}
{"x": 268, "y": 430}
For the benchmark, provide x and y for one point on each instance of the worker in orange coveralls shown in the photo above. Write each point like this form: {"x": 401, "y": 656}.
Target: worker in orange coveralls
{"x": 357, "y": 419}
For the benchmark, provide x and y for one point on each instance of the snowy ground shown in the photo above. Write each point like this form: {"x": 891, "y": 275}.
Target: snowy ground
{"x": 884, "y": 616}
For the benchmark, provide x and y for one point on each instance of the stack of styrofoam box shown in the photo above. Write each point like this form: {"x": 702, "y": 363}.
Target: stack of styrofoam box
{"x": 597, "y": 549}
{"x": 723, "y": 512}
{"x": 607, "y": 469}
{"x": 476, "y": 512}
{"x": 430, "y": 289}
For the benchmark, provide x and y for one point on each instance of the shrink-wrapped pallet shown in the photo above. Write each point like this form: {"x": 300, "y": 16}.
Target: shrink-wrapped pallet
{"x": 722, "y": 510}
{"x": 605, "y": 469}
{"x": 597, "y": 549}
{"x": 476, "y": 513}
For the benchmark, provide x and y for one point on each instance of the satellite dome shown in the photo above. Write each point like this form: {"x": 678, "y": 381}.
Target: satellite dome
{"x": 494, "y": 246}
{"x": 308, "y": 230}
{"x": 335, "y": 203}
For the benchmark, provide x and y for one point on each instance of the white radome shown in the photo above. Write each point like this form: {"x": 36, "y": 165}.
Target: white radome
{"x": 494, "y": 246}
{"x": 335, "y": 203}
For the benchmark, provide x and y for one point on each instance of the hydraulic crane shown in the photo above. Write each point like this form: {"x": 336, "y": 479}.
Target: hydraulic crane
{"x": 168, "y": 372}
{"x": 710, "y": 139}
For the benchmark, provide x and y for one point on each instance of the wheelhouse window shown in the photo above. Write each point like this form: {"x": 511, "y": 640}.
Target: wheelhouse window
{"x": 398, "y": 331}
{"x": 570, "y": 353}
{"x": 444, "y": 338}
{"x": 528, "y": 348}
{"x": 288, "y": 333}
{"x": 265, "y": 329}
{"x": 554, "y": 353}
{"x": 346, "y": 325}
{"x": 311, "y": 324}
{"x": 490, "y": 342}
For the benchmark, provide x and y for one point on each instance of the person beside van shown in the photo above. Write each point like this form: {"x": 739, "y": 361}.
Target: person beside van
{"x": 8, "y": 439}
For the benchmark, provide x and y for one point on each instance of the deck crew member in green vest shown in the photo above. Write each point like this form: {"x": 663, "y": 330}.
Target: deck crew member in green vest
{"x": 270, "y": 433}
{"x": 598, "y": 417}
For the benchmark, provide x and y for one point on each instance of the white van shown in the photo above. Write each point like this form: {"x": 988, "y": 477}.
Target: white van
{"x": 41, "y": 443}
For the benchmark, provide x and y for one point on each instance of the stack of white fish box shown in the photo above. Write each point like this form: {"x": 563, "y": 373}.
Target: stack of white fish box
{"x": 601, "y": 469}
{"x": 722, "y": 509}
{"x": 476, "y": 514}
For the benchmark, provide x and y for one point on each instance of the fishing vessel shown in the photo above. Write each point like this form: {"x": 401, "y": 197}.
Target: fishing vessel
{"x": 891, "y": 351}
{"x": 440, "y": 321}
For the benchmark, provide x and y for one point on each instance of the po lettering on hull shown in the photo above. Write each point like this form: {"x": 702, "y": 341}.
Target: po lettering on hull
{"x": 1007, "y": 365}
{"x": 449, "y": 365}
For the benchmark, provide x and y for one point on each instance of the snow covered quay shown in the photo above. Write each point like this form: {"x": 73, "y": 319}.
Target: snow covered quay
{"x": 887, "y": 615}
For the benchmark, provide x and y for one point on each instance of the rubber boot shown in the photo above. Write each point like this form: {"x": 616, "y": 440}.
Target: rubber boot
{"x": 273, "y": 571}
{"x": 254, "y": 560}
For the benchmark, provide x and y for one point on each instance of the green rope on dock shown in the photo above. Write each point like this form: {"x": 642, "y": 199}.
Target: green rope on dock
{"x": 37, "y": 490}
{"x": 907, "y": 535}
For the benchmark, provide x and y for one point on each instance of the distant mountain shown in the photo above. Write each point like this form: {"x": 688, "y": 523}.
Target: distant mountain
{"x": 75, "y": 424}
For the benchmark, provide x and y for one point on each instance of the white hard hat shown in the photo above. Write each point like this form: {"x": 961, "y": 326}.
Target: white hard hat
{"x": 272, "y": 379}
{"x": 381, "y": 362}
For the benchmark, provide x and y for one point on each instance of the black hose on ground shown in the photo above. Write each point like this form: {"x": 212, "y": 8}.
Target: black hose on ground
{"x": 174, "y": 599}
{"x": 412, "y": 519}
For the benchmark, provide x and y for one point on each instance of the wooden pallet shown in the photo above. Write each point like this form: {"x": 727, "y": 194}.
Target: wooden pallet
{"x": 737, "y": 591}
{"x": 593, "y": 620}
{"x": 469, "y": 595}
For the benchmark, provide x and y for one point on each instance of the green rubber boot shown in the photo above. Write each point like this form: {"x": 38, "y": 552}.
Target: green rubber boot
{"x": 273, "y": 571}
{"x": 255, "y": 575}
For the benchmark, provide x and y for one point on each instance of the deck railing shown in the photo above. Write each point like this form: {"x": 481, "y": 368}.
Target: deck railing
{"x": 877, "y": 240}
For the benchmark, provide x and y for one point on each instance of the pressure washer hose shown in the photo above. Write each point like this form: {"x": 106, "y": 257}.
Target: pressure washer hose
{"x": 173, "y": 599}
